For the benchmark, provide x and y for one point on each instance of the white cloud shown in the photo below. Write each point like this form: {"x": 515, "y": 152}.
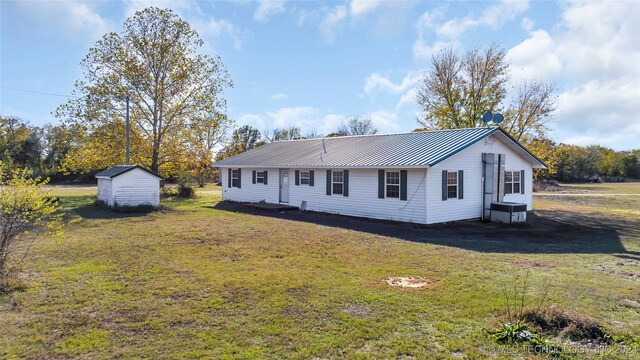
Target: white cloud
{"x": 408, "y": 98}
{"x": 332, "y": 23}
{"x": 311, "y": 119}
{"x": 279, "y": 96}
{"x": 385, "y": 121}
{"x": 378, "y": 82}
{"x": 219, "y": 28}
{"x": 253, "y": 120}
{"x": 426, "y": 24}
{"x": 361, "y": 7}
{"x": 527, "y": 24}
{"x": 535, "y": 57}
{"x": 294, "y": 116}
{"x": 266, "y": 8}
{"x": 594, "y": 54}
{"x": 73, "y": 19}
{"x": 494, "y": 17}
{"x": 424, "y": 52}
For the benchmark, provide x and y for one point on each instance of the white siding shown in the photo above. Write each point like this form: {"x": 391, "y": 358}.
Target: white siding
{"x": 363, "y": 197}
{"x": 424, "y": 189}
{"x": 249, "y": 192}
{"x": 470, "y": 160}
{"x": 135, "y": 187}
{"x": 362, "y": 200}
{"x": 104, "y": 190}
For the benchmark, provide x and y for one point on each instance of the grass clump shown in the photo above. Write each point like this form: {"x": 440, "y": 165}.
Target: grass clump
{"x": 567, "y": 324}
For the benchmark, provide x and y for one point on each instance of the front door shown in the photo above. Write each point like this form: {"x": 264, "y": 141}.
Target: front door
{"x": 284, "y": 185}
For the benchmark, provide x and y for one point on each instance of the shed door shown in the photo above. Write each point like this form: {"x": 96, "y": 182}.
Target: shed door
{"x": 284, "y": 185}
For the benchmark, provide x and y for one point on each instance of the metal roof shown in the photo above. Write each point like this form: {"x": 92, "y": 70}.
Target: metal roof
{"x": 121, "y": 169}
{"x": 415, "y": 149}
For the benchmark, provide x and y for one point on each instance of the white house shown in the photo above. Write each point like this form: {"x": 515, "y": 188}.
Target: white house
{"x": 129, "y": 185}
{"x": 420, "y": 177}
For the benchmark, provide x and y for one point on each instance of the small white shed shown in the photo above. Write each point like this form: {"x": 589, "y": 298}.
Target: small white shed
{"x": 128, "y": 185}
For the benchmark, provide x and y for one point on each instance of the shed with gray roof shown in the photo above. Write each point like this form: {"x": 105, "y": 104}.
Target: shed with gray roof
{"x": 129, "y": 185}
{"x": 422, "y": 177}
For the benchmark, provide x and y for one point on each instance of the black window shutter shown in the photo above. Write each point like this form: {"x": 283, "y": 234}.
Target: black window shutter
{"x": 521, "y": 181}
{"x": 381, "y": 184}
{"x": 403, "y": 184}
{"x": 265, "y": 178}
{"x": 460, "y": 184}
{"x": 444, "y": 185}
{"x": 328, "y": 182}
{"x": 253, "y": 176}
{"x": 239, "y": 178}
{"x": 297, "y": 177}
{"x": 345, "y": 186}
{"x": 229, "y": 179}
{"x": 311, "y": 177}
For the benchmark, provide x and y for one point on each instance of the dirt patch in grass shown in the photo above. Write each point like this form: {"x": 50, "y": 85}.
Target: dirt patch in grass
{"x": 530, "y": 264}
{"x": 569, "y": 325}
{"x": 357, "y": 310}
{"x": 623, "y": 268}
{"x": 293, "y": 312}
{"x": 408, "y": 282}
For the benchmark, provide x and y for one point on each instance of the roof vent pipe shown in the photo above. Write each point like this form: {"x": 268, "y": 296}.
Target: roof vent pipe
{"x": 324, "y": 146}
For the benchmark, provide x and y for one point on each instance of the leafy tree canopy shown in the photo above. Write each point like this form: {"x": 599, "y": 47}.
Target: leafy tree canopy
{"x": 175, "y": 92}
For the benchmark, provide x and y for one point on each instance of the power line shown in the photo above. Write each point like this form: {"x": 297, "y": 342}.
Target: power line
{"x": 41, "y": 92}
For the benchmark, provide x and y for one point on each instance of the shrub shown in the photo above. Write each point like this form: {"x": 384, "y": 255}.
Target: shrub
{"x": 186, "y": 191}
{"x": 568, "y": 325}
{"x": 25, "y": 208}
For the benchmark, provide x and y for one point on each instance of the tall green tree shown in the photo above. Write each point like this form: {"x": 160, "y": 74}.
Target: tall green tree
{"x": 243, "y": 139}
{"x": 457, "y": 90}
{"x": 155, "y": 61}
{"x": 20, "y": 145}
{"x": 290, "y": 133}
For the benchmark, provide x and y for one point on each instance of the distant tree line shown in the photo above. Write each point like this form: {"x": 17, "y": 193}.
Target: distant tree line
{"x": 574, "y": 163}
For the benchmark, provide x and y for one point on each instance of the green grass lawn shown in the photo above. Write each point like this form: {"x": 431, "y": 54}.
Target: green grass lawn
{"x": 210, "y": 279}
{"x": 602, "y": 188}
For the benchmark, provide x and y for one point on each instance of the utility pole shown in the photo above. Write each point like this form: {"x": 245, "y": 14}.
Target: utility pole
{"x": 127, "y": 130}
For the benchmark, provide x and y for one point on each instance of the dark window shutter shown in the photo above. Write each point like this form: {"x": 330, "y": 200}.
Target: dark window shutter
{"x": 381, "y": 184}
{"x": 239, "y": 178}
{"x": 297, "y": 177}
{"x": 229, "y": 179}
{"x": 328, "y": 182}
{"x": 521, "y": 181}
{"x": 265, "y": 177}
{"x": 403, "y": 184}
{"x": 444, "y": 185}
{"x": 345, "y": 186}
{"x": 311, "y": 177}
{"x": 460, "y": 184}
{"x": 254, "y": 176}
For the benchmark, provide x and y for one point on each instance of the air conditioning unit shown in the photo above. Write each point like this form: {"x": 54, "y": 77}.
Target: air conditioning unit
{"x": 508, "y": 212}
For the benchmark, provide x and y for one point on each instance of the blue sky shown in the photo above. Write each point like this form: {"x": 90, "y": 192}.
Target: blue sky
{"x": 315, "y": 64}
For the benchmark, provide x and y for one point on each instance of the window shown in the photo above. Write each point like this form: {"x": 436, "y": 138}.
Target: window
{"x": 393, "y": 184}
{"x": 235, "y": 178}
{"x": 512, "y": 182}
{"x": 452, "y": 184}
{"x": 304, "y": 177}
{"x": 338, "y": 182}
{"x": 260, "y": 177}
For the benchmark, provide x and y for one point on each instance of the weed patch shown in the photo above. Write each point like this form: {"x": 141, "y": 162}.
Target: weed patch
{"x": 566, "y": 324}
